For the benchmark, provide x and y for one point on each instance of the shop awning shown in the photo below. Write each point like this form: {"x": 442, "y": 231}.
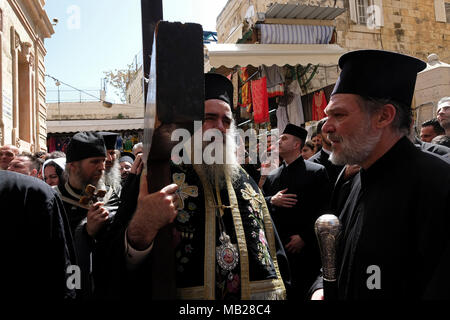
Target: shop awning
{"x": 68, "y": 126}
{"x": 230, "y": 55}
{"x": 299, "y": 11}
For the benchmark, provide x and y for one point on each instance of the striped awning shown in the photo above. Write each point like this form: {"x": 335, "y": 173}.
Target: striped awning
{"x": 295, "y": 34}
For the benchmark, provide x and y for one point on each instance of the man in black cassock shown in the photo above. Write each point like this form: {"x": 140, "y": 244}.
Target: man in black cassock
{"x": 35, "y": 241}
{"x": 322, "y": 157}
{"x": 395, "y": 238}
{"x": 89, "y": 221}
{"x": 296, "y": 194}
{"x": 112, "y": 166}
{"x": 224, "y": 240}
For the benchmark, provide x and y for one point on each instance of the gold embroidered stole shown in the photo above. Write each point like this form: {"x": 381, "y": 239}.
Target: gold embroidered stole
{"x": 272, "y": 289}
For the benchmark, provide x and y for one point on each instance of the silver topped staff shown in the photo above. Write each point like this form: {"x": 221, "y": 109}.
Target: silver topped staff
{"x": 328, "y": 229}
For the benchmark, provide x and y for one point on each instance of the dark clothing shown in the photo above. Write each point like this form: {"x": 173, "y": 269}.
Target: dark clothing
{"x": 196, "y": 234}
{"x": 85, "y": 245}
{"x": 309, "y": 181}
{"x": 333, "y": 170}
{"x": 440, "y": 150}
{"x": 254, "y": 171}
{"x": 396, "y": 218}
{"x": 36, "y": 240}
{"x": 110, "y": 252}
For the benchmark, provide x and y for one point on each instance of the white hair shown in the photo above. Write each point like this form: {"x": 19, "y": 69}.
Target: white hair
{"x": 137, "y": 145}
{"x": 445, "y": 101}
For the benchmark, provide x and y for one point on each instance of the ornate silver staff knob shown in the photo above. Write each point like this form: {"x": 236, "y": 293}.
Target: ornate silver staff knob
{"x": 328, "y": 229}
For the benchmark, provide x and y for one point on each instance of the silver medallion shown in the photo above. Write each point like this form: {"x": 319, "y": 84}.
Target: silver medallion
{"x": 227, "y": 253}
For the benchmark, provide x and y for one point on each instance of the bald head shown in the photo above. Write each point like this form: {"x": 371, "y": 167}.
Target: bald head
{"x": 7, "y": 154}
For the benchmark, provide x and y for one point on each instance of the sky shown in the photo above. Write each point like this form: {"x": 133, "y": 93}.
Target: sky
{"x": 94, "y": 36}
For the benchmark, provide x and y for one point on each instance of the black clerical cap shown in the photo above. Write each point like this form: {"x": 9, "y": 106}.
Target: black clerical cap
{"x": 219, "y": 87}
{"x": 379, "y": 74}
{"x": 126, "y": 157}
{"x": 85, "y": 145}
{"x": 296, "y": 131}
{"x": 110, "y": 139}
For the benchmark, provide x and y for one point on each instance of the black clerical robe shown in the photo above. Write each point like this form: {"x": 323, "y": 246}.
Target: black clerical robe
{"x": 196, "y": 232}
{"x": 36, "y": 242}
{"x": 437, "y": 149}
{"x": 85, "y": 245}
{"x": 395, "y": 238}
{"x": 333, "y": 170}
{"x": 309, "y": 181}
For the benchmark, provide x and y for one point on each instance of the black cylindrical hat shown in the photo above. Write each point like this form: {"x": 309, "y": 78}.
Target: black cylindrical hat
{"x": 297, "y": 131}
{"x": 85, "y": 145}
{"x": 219, "y": 87}
{"x": 110, "y": 139}
{"x": 379, "y": 74}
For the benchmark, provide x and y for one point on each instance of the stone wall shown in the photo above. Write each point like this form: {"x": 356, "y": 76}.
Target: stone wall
{"x": 135, "y": 89}
{"x": 24, "y": 25}
{"x": 93, "y": 111}
{"x": 409, "y": 27}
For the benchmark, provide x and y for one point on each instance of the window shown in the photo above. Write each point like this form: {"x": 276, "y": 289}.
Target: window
{"x": 361, "y": 10}
{"x": 447, "y": 11}
{"x": 367, "y": 12}
{"x": 442, "y": 10}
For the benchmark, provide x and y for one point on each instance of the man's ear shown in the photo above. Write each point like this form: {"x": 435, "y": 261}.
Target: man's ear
{"x": 34, "y": 173}
{"x": 385, "y": 116}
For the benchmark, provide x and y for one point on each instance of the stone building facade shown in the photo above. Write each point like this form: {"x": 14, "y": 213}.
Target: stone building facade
{"x": 24, "y": 25}
{"x": 414, "y": 27}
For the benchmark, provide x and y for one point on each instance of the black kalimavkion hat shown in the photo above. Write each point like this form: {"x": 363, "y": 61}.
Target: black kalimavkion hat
{"x": 297, "y": 131}
{"x": 219, "y": 87}
{"x": 110, "y": 139}
{"x": 85, "y": 145}
{"x": 379, "y": 74}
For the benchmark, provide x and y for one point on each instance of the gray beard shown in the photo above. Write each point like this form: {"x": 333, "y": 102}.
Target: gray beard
{"x": 221, "y": 171}
{"x": 112, "y": 177}
{"x": 356, "y": 149}
{"x": 229, "y": 166}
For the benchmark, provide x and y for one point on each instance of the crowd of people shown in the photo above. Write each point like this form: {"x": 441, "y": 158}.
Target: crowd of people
{"x": 218, "y": 231}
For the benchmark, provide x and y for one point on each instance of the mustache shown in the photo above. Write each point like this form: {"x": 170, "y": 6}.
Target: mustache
{"x": 334, "y": 137}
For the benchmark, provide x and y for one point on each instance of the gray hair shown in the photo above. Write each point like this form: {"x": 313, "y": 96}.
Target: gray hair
{"x": 443, "y": 101}
{"x": 137, "y": 145}
{"x": 403, "y": 114}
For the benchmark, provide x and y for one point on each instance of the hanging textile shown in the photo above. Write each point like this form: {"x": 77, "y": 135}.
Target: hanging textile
{"x": 65, "y": 144}
{"x": 51, "y": 145}
{"x": 244, "y": 114}
{"x": 282, "y": 119}
{"x": 275, "y": 80}
{"x": 260, "y": 100}
{"x": 128, "y": 144}
{"x": 235, "y": 82}
{"x": 246, "y": 97}
{"x": 119, "y": 142}
{"x": 295, "y": 107}
{"x": 291, "y": 34}
{"x": 318, "y": 105}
